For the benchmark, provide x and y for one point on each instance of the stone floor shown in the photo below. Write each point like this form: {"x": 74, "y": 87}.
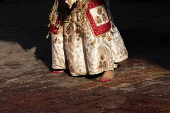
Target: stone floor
{"x": 141, "y": 83}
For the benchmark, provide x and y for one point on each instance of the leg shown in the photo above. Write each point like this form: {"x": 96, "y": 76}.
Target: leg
{"x": 107, "y": 76}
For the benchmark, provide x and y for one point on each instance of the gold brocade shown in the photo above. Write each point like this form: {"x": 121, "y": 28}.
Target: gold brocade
{"x": 77, "y": 48}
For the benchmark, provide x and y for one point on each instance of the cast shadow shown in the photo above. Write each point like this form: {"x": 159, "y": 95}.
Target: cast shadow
{"x": 27, "y": 25}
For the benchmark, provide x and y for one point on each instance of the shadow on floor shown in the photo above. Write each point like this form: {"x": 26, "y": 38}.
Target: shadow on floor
{"x": 27, "y": 25}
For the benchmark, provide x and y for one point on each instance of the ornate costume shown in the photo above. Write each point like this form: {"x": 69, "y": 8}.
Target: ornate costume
{"x": 84, "y": 38}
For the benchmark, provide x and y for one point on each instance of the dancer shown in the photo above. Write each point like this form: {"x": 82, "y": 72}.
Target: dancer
{"x": 85, "y": 39}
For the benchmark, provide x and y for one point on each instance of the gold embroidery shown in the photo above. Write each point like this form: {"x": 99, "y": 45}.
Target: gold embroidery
{"x": 103, "y": 64}
{"x": 98, "y": 20}
{"x": 101, "y": 57}
{"x": 94, "y": 42}
{"x": 99, "y": 11}
{"x": 103, "y": 35}
{"x": 55, "y": 40}
{"x": 104, "y": 17}
{"x": 108, "y": 38}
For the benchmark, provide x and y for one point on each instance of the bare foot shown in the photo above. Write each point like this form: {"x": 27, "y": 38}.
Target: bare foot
{"x": 107, "y": 76}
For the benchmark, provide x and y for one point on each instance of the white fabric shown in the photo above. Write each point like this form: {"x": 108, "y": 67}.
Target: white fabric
{"x": 81, "y": 51}
{"x": 70, "y": 2}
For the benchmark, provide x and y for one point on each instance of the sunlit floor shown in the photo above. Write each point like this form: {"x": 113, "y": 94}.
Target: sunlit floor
{"x": 141, "y": 83}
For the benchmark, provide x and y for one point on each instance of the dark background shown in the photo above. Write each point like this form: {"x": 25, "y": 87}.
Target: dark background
{"x": 143, "y": 24}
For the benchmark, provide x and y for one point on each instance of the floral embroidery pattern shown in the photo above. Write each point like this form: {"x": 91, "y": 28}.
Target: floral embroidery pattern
{"x": 98, "y": 17}
{"x": 93, "y": 49}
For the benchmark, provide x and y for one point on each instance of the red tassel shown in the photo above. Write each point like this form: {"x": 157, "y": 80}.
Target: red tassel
{"x": 53, "y": 29}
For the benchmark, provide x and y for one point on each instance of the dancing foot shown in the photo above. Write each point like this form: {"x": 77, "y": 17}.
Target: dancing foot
{"x": 107, "y": 76}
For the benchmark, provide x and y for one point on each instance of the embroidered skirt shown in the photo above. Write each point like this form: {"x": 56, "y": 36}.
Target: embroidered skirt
{"x": 87, "y": 41}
